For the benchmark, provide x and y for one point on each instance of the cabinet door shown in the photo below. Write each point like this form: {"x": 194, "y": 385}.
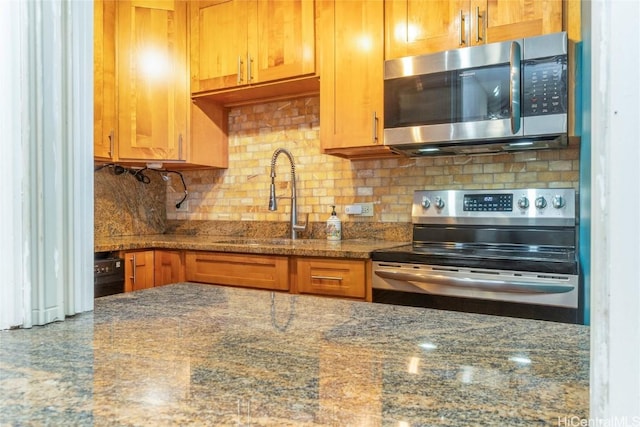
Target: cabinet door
{"x": 416, "y": 27}
{"x": 153, "y": 98}
{"x": 281, "y": 40}
{"x": 168, "y": 267}
{"x": 511, "y": 19}
{"x": 333, "y": 277}
{"x": 247, "y": 270}
{"x": 209, "y": 141}
{"x": 138, "y": 270}
{"x": 351, "y": 58}
{"x": 218, "y": 44}
{"x": 104, "y": 83}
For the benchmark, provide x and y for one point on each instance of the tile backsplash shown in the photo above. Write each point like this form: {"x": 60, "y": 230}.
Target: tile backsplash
{"x": 239, "y": 194}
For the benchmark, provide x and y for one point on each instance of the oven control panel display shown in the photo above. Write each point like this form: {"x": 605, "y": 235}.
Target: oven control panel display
{"x": 488, "y": 202}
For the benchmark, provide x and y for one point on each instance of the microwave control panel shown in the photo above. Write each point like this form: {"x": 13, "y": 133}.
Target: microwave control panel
{"x": 544, "y": 86}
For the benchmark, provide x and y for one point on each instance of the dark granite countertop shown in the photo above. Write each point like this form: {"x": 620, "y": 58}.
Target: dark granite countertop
{"x": 191, "y": 354}
{"x": 354, "y": 248}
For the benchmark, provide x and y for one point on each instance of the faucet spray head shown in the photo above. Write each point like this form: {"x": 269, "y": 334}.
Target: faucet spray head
{"x": 273, "y": 204}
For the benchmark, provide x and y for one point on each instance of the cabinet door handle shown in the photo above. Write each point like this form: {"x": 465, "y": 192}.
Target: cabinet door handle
{"x": 339, "y": 279}
{"x": 249, "y": 62}
{"x": 180, "y": 147}
{"x": 111, "y": 143}
{"x": 462, "y": 25}
{"x": 375, "y": 128}
{"x": 478, "y": 18}
{"x": 133, "y": 269}
{"x": 239, "y": 69}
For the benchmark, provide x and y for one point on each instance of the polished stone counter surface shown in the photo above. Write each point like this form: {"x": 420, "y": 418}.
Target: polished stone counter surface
{"x": 354, "y": 248}
{"x": 191, "y": 354}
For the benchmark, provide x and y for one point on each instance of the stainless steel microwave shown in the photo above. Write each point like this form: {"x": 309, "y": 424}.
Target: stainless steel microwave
{"x": 506, "y": 96}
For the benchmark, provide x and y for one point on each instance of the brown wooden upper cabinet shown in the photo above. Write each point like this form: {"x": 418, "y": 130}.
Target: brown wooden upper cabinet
{"x": 104, "y": 81}
{"x": 142, "y": 108}
{"x": 415, "y": 27}
{"x": 153, "y": 95}
{"x": 351, "y": 69}
{"x": 236, "y": 43}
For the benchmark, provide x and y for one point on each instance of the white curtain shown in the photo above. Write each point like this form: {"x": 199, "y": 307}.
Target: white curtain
{"x": 46, "y": 122}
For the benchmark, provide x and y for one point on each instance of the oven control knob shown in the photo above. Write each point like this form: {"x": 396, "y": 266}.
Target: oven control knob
{"x": 438, "y": 203}
{"x": 558, "y": 202}
{"x": 425, "y": 203}
{"x": 541, "y": 202}
{"x": 523, "y": 203}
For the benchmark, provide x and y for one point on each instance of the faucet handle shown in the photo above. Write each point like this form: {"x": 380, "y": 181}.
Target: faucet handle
{"x": 302, "y": 227}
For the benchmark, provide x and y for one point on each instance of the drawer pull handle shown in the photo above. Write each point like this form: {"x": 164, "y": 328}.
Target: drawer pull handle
{"x": 326, "y": 278}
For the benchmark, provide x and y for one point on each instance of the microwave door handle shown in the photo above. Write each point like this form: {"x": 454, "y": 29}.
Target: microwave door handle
{"x": 514, "y": 82}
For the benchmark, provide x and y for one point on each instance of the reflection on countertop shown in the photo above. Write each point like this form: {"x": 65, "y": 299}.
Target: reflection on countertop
{"x": 208, "y": 355}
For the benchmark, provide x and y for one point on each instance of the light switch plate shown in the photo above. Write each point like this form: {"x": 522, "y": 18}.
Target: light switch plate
{"x": 361, "y": 209}
{"x": 353, "y": 209}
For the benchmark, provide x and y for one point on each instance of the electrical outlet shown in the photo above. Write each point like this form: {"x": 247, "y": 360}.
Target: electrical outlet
{"x": 184, "y": 207}
{"x": 367, "y": 209}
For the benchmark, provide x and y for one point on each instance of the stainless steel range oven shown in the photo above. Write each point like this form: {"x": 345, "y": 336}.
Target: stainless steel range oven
{"x": 504, "y": 252}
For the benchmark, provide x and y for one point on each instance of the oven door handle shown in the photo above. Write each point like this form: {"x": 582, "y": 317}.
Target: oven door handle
{"x": 514, "y": 286}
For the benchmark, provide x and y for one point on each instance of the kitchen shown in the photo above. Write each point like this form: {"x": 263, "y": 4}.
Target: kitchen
{"x": 365, "y": 175}
{"x": 359, "y": 170}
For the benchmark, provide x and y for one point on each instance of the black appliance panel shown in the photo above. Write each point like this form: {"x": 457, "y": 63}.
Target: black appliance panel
{"x": 108, "y": 276}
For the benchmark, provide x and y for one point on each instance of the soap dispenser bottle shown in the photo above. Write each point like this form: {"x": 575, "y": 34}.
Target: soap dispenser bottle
{"x": 334, "y": 226}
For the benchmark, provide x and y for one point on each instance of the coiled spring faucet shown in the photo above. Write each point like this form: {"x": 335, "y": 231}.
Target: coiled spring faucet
{"x": 294, "y": 227}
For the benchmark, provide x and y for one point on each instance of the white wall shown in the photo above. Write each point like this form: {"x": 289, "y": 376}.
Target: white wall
{"x": 615, "y": 209}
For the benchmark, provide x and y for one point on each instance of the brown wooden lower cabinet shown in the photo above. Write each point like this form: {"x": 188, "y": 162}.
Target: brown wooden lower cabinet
{"x": 333, "y": 277}
{"x": 138, "y": 270}
{"x": 149, "y": 268}
{"x": 168, "y": 267}
{"x": 337, "y": 277}
{"x": 247, "y": 270}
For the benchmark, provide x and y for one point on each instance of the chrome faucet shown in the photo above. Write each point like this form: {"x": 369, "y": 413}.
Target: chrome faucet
{"x": 273, "y": 204}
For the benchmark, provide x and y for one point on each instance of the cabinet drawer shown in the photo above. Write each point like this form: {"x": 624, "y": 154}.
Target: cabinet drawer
{"x": 254, "y": 271}
{"x": 334, "y": 277}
